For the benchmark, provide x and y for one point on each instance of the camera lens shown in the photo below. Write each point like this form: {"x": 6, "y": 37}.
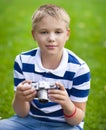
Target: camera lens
{"x": 42, "y": 96}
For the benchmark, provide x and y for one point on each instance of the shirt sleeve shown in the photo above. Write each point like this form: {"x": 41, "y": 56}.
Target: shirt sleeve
{"x": 18, "y": 73}
{"x": 81, "y": 84}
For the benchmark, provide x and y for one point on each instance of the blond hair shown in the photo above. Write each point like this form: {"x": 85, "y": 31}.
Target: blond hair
{"x": 51, "y": 10}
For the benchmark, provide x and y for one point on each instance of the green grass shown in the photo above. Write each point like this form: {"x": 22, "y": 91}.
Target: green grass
{"x": 88, "y": 40}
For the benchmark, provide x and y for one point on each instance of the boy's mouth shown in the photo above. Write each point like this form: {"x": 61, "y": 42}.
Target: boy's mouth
{"x": 51, "y": 46}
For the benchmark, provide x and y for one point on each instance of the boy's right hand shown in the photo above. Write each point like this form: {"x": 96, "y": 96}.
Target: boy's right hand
{"x": 25, "y": 92}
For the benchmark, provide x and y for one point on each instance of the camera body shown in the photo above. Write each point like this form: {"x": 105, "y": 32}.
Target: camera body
{"x": 42, "y": 87}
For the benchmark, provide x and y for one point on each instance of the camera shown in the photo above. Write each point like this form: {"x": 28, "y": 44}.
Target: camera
{"x": 42, "y": 87}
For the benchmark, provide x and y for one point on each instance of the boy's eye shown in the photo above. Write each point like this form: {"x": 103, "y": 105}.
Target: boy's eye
{"x": 44, "y": 32}
{"x": 58, "y": 32}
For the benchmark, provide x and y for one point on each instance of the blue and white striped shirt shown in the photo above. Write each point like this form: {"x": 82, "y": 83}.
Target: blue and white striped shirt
{"x": 72, "y": 72}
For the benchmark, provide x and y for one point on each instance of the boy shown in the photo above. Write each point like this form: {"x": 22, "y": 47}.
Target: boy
{"x": 48, "y": 63}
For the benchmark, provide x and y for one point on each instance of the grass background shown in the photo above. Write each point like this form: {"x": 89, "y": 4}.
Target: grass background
{"x": 88, "y": 40}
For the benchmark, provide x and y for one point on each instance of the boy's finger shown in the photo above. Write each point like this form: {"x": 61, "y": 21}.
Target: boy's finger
{"x": 26, "y": 81}
{"x": 60, "y": 86}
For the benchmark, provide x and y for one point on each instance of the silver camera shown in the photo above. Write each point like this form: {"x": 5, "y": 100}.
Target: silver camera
{"x": 42, "y": 88}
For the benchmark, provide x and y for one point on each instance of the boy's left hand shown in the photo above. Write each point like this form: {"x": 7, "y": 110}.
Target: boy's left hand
{"x": 60, "y": 96}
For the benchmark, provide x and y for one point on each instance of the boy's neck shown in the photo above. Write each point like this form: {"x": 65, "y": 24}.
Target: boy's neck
{"x": 51, "y": 62}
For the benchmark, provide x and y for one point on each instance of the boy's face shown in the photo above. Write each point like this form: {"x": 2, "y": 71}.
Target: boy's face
{"x": 51, "y": 35}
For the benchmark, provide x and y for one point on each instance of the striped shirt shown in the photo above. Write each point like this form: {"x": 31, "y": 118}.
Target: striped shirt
{"x": 72, "y": 72}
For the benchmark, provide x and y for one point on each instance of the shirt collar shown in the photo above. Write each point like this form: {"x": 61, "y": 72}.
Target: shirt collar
{"x": 59, "y": 71}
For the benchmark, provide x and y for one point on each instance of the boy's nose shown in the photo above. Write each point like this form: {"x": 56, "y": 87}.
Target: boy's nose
{"x": 51, "y": 37}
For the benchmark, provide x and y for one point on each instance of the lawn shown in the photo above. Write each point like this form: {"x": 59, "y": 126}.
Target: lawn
{"x": 88, "y": 40}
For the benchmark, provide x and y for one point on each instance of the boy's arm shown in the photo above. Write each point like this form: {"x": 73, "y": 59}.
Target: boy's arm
{"x": 20, "y": 107}
{"x": 23, "y": 96}
{"x": 74, "y": 112}
{"x": 76, "y": 115}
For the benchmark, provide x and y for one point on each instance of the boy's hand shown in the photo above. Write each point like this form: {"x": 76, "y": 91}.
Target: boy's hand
{"x": 25, "y": 92}
{"x": 60, "y": 96}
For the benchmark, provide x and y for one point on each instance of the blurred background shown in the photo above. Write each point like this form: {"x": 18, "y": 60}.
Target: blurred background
{"x": 88, "y": 40}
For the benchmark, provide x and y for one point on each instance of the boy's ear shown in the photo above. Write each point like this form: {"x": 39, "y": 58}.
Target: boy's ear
{"x": 33, "y": 34}
{"x": 68, "y": 33}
